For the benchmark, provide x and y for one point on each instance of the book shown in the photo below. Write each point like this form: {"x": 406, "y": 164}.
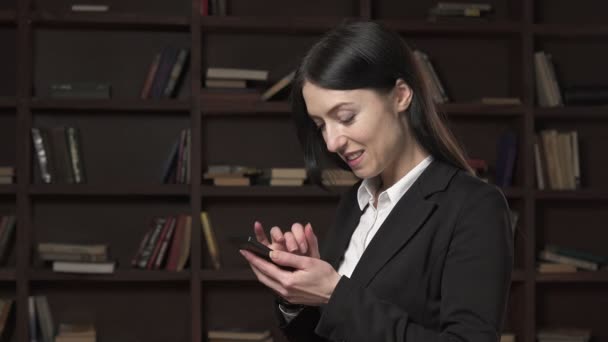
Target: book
{"x": 83, "y": 267}
{"x": 90, "y": 8}
{"x": 278, "y": 86}
{"x": 212, "y": 244}
{"x": 237, "y": 74}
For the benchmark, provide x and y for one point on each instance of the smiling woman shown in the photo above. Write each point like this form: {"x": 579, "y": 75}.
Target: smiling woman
{"x": 421, "y": 250}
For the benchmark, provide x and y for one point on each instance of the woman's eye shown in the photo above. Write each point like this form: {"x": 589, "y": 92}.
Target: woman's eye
{"x": 347, "y": 119}
{"x": 321, "y": 127}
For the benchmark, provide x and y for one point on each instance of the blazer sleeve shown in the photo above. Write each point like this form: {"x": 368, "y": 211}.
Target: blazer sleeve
{"x": 475, "y": 283}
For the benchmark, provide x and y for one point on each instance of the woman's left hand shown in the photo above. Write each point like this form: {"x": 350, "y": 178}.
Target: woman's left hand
{"x": 311, "y": 283}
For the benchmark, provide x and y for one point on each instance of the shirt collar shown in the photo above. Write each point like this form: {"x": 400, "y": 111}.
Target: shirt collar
{"x": 370, "y": 186}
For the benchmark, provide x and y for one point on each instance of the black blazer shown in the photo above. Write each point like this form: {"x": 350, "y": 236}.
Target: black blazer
{"x": 438, "y": 269}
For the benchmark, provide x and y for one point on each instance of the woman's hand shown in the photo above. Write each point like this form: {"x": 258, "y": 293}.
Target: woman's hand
{"x": 300, "y": 240}
{"x": 312, "y": 282}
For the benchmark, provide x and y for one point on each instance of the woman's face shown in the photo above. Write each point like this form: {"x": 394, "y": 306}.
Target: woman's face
{"x": 361, "y": 126}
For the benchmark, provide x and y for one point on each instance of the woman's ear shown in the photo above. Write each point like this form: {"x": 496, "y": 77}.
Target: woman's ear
{"x": 403, "y": 95}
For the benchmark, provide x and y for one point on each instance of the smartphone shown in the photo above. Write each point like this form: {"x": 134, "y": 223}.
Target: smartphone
{"x": 252, "y": 245}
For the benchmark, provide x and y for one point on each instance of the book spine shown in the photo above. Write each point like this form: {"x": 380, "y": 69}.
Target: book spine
{"x": 145, "y": 91}
{"x": 42, "y": 154}
{"x": 76, "y": 154}
{"x": 176, "y": 73}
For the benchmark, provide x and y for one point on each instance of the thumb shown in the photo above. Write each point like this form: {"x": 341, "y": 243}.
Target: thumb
{"x": 289, "y": 259}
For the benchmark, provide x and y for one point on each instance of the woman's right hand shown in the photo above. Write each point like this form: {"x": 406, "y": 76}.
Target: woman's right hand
{"x": 300, "y": 240}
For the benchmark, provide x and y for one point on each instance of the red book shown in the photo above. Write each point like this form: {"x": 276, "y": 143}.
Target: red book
{"x": 145, "y": 91}
{"x": 159, "y": 243}
{"x": 178, "y": 239}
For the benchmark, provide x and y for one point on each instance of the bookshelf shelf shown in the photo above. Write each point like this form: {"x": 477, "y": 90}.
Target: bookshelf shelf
{"x": 513, "y": 193}
{"x": 573, "y": 113}
{"x": 114, "y": 21}
{"x": 570, "y": 31}
{"x": 119, "y": 190}
{"x": 478, "y": 109}
{"x": 234, "y": 275}
{"x": 209, "y": 191}
{"x": 7, "y": 274}
{"x": 8, "y": 189}
{"x": 481, "y": 28}
{"x": 7, "y": 17}
{"x": 135, "y": 105}
{"x": 118, "y": 276}
{"x": 572, "y": 195}
{"x": 8, "y": 102}
{"x": 217, "y": 108}
{"x": 578, "y": 277}
{"x": 276, "y": 25}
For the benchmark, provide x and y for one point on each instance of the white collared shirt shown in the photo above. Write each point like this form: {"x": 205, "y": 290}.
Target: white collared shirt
{"x": 374, "y": 216}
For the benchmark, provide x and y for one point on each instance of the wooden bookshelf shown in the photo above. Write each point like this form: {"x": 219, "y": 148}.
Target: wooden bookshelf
{"x": 126, "y": 140}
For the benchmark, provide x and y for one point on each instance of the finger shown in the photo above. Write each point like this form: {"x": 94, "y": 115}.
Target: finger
{"x": 278, "y": 240}
{"x": 313, "y": 243}
{"x": 277, "y": 235}
{"x": 269, "y": 269}
{"x": 259, "y": 233}
{"x": 298, "y": 233}
{"x": 298, "y": 262}
{"x": 290, "y": 242}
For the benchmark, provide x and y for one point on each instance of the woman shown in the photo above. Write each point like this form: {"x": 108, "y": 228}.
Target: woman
{"x": 421, "y": 250}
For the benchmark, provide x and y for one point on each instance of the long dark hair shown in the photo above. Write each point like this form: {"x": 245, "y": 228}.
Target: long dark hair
{"x": 367, "y": 55}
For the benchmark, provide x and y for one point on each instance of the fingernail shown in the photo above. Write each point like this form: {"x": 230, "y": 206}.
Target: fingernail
{"x": 241, "y": 251}
{"x": 303, "y": 247}
{"x": 273, "y": 254}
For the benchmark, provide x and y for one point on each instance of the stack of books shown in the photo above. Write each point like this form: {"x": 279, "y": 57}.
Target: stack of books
{"x": 234, "y": 78}
{"x": 230, "y": 175}
{"x": 563, "y": 335}
{"x": 81, "y": 90}
{"x": 430, "y": 77}
{"x": 281, "y": 176}
{"x": 563, "y": 259}
{"x": 7, "y": 175}
{"x": 166, "y": 245}
{"x": 459, "y": 10}
{"x": 76, "y": 333}
{"x": 77, "y": 258}
{"x": 338, "y": 177}
{"x": 239, "y": 335}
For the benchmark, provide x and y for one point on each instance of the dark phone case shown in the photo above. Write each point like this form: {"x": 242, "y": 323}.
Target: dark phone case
{"x": 251, "y": 244}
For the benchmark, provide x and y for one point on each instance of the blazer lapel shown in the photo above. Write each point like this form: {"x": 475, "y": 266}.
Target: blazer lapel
{"x": 343, "y": 230}
{"x": 407, "y": 217}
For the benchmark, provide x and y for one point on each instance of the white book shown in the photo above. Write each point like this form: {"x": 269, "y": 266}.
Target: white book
{"x": 90, "y": 8}
{"x": 83, "y": 267}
